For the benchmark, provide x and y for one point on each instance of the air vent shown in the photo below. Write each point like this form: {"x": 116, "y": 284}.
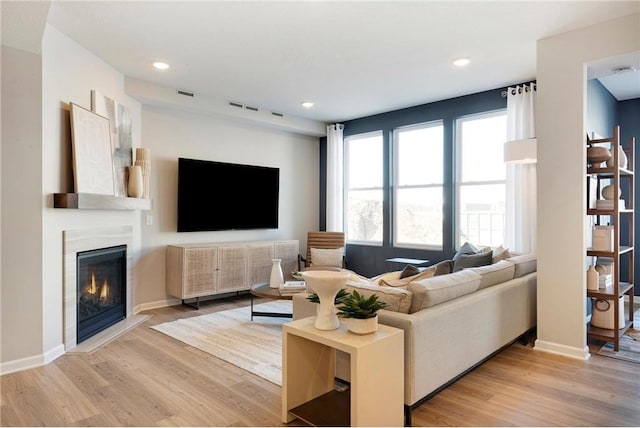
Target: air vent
{"x": 251, "y": 108}
{"x": 185, "y": 93}
{"x": 277, "y": 114}
{"x": 232, "y": 104}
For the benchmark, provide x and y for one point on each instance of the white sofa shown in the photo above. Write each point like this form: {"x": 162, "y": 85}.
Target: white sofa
{"x": 445, "y": 340}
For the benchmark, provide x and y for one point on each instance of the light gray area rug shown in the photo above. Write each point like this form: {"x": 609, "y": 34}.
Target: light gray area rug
{"x": 629, "y": 349}
{"x": 255, "y": 346}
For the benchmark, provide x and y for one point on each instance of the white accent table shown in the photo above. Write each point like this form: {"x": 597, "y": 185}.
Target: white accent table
{"x": 376, "y": 393}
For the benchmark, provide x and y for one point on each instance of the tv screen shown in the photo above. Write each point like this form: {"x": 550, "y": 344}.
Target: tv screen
{"x": 226, "y": 196}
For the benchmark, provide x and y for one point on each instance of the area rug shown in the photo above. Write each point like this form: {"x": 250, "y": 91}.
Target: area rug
{"x": 629, "y": 349}
{"x": 255, "y": 346}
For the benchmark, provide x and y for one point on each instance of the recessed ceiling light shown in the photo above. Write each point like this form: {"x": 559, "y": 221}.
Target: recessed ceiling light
{"x": 161, "y": 65}
{"x": 307, "y": 104}
{"x": 461, "y": 62}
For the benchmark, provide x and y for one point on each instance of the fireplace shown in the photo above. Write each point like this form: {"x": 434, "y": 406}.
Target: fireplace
{"x": 101, "y": 289}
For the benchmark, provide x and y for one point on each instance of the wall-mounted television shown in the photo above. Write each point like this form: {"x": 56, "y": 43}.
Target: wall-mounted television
{"x": 226, "y": 196}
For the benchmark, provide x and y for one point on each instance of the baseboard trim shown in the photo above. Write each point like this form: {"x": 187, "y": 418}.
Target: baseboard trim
{"x": 567, "y": 351}
{"x": 34, "y": 361}
{"x": 155, "y": 305}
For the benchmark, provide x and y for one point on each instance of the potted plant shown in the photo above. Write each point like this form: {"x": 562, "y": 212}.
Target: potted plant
{"x": 360, "y": 312}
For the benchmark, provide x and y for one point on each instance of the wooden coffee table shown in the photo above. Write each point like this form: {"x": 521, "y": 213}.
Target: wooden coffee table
{"x": 262, "y": 289}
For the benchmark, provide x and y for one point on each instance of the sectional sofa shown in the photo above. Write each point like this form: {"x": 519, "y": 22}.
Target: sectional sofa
{"x": 451, "y": 322}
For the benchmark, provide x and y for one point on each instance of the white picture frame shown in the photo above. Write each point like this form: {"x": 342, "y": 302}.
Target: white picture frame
{"x": 91, "y": 148}
{"x": 120, "y": 122}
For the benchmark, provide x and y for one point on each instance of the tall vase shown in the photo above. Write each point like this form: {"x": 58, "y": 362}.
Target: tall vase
{"x": 277, "y": 278}
{"x": 326, "y": 285}
{"x": 143, "y": 160}
{"x": 134, "y": 187}
{"x": 593, "y": 278}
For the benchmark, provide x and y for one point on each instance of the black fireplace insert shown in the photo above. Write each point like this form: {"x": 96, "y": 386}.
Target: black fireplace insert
{"x": 102, "y": 284}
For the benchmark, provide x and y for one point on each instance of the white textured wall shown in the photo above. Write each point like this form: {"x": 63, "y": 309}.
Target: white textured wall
{"x": 21, "y": 294}
{"x": 171, "y": 133}
{"x": 70, "y": 72}
{"x": 561, "y": 128}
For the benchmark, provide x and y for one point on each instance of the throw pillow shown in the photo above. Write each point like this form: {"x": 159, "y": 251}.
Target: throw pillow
{"x": 444, "y": 267}
{"x": 327, "y": 257}
{"x": 500, "y": 253}
{"x": 472, "y": 260}
{"x": 467, "y": 248}
{"x": 409, "y": 270}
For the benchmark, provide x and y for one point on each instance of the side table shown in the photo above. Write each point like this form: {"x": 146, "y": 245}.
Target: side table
{"x": 376, "y": 393}
{"x": 262, "y": 289}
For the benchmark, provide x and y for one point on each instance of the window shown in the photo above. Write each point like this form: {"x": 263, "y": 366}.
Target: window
{"x": 481, "y": 178}
{"x": 418, "y": 186}
{"x": 363, "y": 184}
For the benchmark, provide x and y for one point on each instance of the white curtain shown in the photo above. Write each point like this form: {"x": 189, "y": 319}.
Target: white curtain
{"x": 520, "y": 211}
{"x": 335, "y": 172}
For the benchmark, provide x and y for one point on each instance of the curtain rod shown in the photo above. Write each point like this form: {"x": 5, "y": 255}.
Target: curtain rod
{"x": 531, "y": 86}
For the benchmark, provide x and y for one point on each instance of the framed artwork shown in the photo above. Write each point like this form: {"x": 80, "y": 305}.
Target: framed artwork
{"x": 121, "y": 137}
{"x": 92, "y": 163}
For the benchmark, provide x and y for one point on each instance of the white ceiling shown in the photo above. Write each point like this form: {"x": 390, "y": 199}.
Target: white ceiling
{"x": 351, "y": 58}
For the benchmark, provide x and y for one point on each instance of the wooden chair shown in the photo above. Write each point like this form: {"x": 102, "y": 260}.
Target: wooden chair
{"x": 322, "y": 240}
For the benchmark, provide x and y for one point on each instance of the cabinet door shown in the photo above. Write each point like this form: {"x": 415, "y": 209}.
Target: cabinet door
{"x": 260, "y": 262}
{"x": 232, "y": 268}
{"x": 199, "y": 274}
{"x": 287, "y": 251}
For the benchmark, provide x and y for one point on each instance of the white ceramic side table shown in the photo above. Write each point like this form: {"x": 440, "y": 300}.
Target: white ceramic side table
{"x": 376, "y": 393}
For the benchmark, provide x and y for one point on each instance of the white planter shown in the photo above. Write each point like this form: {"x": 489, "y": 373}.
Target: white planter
{"x": 362, "y": 326}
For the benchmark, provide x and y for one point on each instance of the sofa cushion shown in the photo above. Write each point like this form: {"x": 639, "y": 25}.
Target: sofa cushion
{"x": 409, "y": 270}
{"x": 327, "y": 257}
{"x": 393, "y": 280}
{"x": 397, "y": 299}
{"x": 496, "y": 273}
{"x": 443, "y": 268}
{"x": 525, "y": 264}
{"x": 438, "y": 289}
{"x": 472, "y": 260}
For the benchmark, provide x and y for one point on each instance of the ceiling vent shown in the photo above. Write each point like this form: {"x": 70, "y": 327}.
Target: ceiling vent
{"x": 185, "y": 93}
{"x": 277, "y": 114}
{"x": 251, "y": 108}
{"x": 238, "y": 105}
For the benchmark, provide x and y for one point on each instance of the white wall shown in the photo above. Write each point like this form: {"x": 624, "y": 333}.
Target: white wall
{"x": 561, "y": 127}
{"x": 172, "y": 133}
{"x": 21, "y": 294}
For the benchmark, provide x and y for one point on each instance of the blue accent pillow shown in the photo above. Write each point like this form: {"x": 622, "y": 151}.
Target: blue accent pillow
{"x": 467, "y": 248}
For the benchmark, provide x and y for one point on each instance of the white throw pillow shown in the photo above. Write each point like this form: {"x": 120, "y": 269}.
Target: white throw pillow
{"x": 327, "y": 257}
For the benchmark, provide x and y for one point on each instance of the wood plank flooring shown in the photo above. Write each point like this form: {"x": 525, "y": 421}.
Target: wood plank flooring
{"x": 144, "y": 378}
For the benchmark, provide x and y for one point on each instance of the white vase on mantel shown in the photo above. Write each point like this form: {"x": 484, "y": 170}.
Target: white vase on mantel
{"x": 135, "y": 184}
{"x": 277, "y": 278}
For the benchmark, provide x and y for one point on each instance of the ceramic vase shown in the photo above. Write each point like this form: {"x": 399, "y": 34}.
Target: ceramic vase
{"x": 593, "y": 278}
{"x": 277, "y": 278}
{"x": 608, "y": 192}
{"x": 134, "y": 187}
{"x": 326, "y": 285}
{"x": 143, "y": 160}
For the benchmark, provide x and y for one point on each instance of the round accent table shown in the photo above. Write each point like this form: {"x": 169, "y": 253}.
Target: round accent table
{"x": 262, "y": 289}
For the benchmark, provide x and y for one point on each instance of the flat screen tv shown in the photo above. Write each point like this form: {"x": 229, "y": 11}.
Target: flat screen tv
{"x": 226, "y": 196}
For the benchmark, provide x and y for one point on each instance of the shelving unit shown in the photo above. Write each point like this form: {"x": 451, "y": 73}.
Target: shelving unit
{"x": 622, "y": 246}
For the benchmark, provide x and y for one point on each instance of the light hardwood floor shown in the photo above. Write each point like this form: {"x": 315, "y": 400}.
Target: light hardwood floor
{"x": 144, "y": 378}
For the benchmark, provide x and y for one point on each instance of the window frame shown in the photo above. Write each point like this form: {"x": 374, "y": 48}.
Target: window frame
{"x": 458, "y": 183}
{"x": 347, "y": 188}
{"x": 394, "y": 186}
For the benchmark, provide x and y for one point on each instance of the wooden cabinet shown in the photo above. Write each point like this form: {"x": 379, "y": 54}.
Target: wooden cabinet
{"x": 619, "y": 214}
{"x": 197, "y": 270}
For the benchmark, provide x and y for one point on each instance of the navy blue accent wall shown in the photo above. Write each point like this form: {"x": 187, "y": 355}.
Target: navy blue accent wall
{"x": 628, "y": 113}
{"x": 601, "y": 109}
{"x": 370, "y": 260}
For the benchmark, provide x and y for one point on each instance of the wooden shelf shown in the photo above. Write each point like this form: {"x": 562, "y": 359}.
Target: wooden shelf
{"x": 608, "y": 294}
{"x": 594, "y": 253}
{"x": 91, "y": 201}
{"x": 609, "y": 172}
{"x": 608, "y": 335}
{"x": 328, "y": 410}
{"x": 595, "y": 211}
